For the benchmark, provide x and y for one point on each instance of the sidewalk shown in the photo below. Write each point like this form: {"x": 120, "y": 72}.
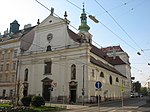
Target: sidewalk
{"x": 79, "y": 105}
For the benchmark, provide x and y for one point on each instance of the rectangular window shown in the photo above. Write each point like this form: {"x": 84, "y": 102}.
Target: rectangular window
{"x": 1, "y": 68}
{"x": 4, "y": 92}
{"x": 7, "y": 66}
{"x": 13, "y": 66}
{"x": 8, "y": 55}
{"x": 15, "y": 53}
{"x": 13, "y": 78}
{"x": 48, "y": 66}
{"x": 6, "y": 77}
{"x": 3, "y": 56}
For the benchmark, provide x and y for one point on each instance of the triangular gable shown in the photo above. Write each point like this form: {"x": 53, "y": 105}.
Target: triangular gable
{"x": 50, "y": 20}
{"x": 46, "y": 79}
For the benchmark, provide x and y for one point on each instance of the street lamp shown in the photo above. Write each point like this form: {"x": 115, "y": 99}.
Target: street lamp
{"x": 143, "y": 51}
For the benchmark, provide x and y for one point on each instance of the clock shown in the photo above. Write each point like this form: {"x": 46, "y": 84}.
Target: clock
{"x": 49, "y": 37}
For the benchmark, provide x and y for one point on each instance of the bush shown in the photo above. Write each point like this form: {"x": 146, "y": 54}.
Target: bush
{"x": 37, "y": 101}
{"x": 26, "y": 101}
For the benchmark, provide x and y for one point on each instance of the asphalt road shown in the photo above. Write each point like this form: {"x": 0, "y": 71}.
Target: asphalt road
{"x": 129, "y": 105}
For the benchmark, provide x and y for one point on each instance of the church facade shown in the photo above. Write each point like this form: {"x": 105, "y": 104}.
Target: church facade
{"x": 61, "y": 65}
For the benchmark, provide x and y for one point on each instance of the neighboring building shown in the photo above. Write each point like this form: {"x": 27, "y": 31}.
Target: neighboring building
{"x": 9, "y": 50}
{"x": 147, "y": 85}
{"x": 60, "y": 64}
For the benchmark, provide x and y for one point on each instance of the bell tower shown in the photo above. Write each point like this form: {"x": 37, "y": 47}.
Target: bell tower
{"x": 84, "y": 28}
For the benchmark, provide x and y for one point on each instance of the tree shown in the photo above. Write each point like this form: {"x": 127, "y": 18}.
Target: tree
{"x": 144, "y": 91}
{"x": 137, "y": 86}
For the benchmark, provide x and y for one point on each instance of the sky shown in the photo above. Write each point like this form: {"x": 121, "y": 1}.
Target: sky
{"x": 121, "y": 22}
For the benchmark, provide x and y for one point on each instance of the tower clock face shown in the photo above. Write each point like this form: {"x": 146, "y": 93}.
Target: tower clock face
{"x": 49, "y": 37}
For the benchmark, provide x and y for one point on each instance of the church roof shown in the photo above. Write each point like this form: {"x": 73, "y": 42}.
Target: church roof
{"x": 74, "y": 36}
{"x": 98, "y": 52}
{"x": 115, "y": 61}
{"x": 111, "y": 48}
{"x": 105, "y": 66}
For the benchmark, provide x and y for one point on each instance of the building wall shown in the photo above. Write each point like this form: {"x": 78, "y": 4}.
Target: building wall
{"x": 64, "y": 53}
{"x": 8, "y": 65}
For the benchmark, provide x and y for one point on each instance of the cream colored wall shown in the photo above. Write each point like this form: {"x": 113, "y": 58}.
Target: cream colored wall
{"x": 61, "y": 70}
{"x": 8, "y": 47}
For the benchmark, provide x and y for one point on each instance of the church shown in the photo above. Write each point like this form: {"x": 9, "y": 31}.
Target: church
{"x": 62, "y": 66}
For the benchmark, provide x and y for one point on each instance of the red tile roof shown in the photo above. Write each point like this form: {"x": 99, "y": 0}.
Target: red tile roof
{"x": 111, "y": 48}
{"x": 116, "y": 61}
{"x": 98, "y": 52}
{"x": 105, "y": 66}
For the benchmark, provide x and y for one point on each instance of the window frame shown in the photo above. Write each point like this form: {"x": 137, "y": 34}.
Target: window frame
{"x": 48, "y": 67}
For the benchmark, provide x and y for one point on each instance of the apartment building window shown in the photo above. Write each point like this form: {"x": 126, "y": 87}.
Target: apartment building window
{"x": 1, "y": 68}
{"x": 13, "y": 66}
{"x": 48, "y": 66}
{"x": 6, "y": 77}
{"x": 2, "y": 56}
{"x": 15, "y": 53}
{"x": 7, "y": 66}
{"x": 13, "y": 78}
{"x": 8, "y": 55}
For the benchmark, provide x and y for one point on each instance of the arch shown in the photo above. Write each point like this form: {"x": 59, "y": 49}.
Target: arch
{"x": 117, "y": 80}
{"x": 110, "y": 80}
{"x": 102, "y": 74}
{"x": 49, "y": 48}
{"x": 73, "y": 72}
{"x": 26, "y": 75}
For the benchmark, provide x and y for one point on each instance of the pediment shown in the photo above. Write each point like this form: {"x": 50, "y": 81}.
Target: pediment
{"x": 50, "y": 20}
{"x": 46, "y": 79}
{"x": 73, "y": 83}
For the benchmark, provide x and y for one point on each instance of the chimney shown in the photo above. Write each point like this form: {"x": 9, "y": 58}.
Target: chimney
{"x": 27, "y": 26}
{"x": 14, "y": 27}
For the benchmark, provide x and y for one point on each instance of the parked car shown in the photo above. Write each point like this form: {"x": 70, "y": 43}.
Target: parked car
{"x": 135, "y": 95}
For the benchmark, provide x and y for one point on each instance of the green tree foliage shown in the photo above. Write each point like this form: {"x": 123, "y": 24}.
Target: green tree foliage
{"x": 137, "y": 86}
{"x": 143, "y": 90}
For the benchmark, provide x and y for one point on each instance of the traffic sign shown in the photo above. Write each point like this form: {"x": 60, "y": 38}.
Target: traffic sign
{"x": 98, "y": 84}
{"x": 122, "y": 88}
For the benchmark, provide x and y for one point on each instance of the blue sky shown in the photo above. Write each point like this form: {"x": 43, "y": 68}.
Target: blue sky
{"x": 132, "y": 15}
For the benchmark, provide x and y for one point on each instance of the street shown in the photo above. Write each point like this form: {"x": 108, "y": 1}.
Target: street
{"x": 129, "y": 105}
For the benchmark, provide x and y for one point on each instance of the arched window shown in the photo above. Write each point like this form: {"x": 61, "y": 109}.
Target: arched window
{"x": 102, "y": 74}
{"x": 73, "y": 72}
{"x": 117, "y": 80}
{"x": 26, "y": 75}
{"x": 49, "y": 48}
{"x": 110, "y": 80}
